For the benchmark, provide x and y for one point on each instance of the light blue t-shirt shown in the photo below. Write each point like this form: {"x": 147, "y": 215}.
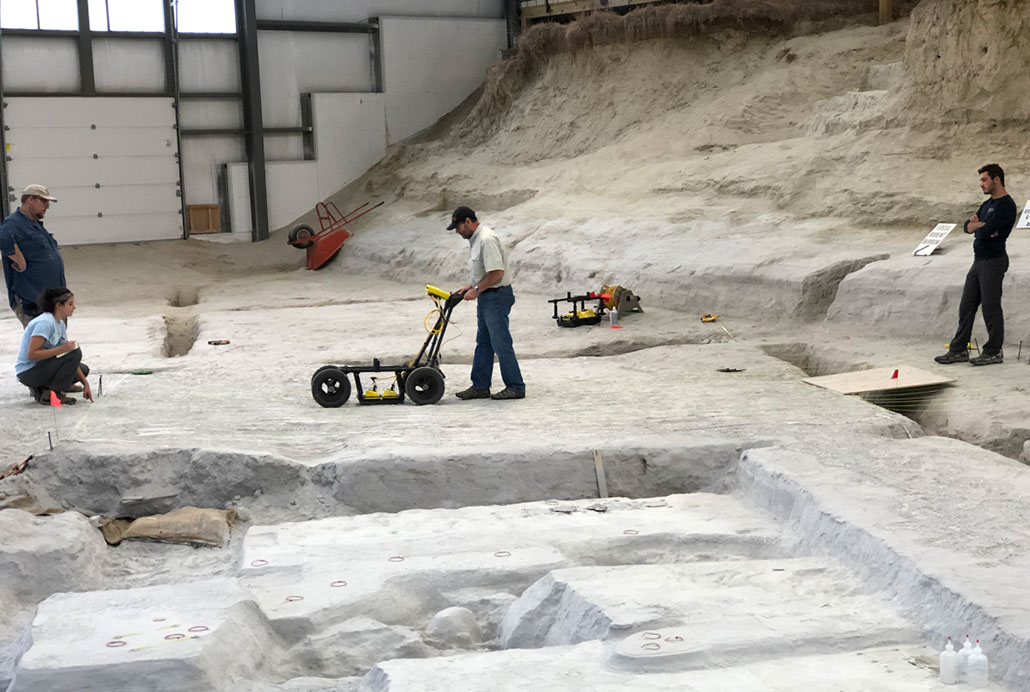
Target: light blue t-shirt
{"x": 53, "y": 331}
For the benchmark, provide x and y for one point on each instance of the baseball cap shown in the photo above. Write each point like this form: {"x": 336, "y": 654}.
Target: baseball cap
{"x": 38, "y": 191}
{"x": 461, "y": 214}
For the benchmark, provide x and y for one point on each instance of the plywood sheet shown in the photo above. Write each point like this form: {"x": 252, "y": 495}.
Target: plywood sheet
{"x": 878, "y": 380}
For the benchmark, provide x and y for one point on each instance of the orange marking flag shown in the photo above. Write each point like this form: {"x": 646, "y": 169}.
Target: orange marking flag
{"x": 55, "y": 400}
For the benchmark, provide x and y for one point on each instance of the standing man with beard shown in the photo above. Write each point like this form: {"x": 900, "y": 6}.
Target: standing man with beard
{"x": 29, "y": 254}
{"x": 491, "y": 289}
{"x": 990, "y": 226}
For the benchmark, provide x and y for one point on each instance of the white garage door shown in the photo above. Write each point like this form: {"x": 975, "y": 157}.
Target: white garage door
{"x": 110, "y": 162}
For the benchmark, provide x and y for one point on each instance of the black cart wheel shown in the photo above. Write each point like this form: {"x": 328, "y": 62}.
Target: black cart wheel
{"x": 299, "y": 236}
{"x": 424, "y": 385}
{"x": 330, "y": 387}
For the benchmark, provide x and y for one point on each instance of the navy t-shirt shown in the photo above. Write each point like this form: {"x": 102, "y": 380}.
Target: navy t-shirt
{"x": 999, "y": 216}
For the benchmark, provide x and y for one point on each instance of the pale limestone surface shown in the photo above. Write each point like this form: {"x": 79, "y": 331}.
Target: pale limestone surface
{"x": 573, "y": 668}
{"x": 742, "y": 608}
{"x": 170, "y": 637}
{"x": 776, "y": 180}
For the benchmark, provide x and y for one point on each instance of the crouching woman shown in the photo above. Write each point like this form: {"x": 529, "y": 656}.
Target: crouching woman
{"x": 47, "y": 361}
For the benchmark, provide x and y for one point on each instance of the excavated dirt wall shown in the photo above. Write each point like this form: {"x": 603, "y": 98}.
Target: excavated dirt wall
{"x": 966, "y": 60}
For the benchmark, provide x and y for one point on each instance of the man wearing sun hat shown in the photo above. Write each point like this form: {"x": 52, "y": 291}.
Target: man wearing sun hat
{"x": 29, "y": 253}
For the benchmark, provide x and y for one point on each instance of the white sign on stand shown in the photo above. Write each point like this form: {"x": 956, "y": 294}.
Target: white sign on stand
{"x": 930, "y": 242}
{"x": 1024, "y": 220}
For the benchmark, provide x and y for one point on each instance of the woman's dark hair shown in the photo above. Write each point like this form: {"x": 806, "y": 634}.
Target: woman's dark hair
{"x": 51, "y": 297}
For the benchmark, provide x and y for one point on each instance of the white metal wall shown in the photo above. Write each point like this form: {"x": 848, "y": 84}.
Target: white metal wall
{"x": 110, "y": 162}
{"x": 425, "y": 74}
{"x": 432, "y": 65}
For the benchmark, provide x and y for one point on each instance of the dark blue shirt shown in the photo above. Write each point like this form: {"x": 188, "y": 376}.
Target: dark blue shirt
{"x": 44, "y": 266}
{"x": 999, "y": 216}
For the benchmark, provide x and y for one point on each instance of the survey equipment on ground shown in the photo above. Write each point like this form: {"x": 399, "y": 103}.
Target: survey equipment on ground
{"x": 419, "y": 379}
{"x": 622, "y": 299}
{"x": 617, "y": 298}
{"x": 323, "y": 246}
{"x": 580, "y": 314}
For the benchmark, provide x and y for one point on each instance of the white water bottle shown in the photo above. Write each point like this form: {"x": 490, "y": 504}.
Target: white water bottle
{"x": 977, "y": 673}
{"x": 613, "y": 316}
{"x": 949, "y": 664}
{"x": 963, "y": 659}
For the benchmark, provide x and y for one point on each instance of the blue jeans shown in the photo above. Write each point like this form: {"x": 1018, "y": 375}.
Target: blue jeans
{"x": 493, "y": 338}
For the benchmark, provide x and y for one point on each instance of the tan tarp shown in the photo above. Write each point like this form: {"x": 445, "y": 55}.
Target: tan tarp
{"x": 26, "y": 503}
{"x": 185, "y": 525}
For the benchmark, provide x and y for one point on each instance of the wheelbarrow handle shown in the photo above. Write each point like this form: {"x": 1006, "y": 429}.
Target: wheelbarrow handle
{"x": 348, "y": 218}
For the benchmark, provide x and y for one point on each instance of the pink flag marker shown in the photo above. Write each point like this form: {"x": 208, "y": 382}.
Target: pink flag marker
{"x": 54, "y": 400}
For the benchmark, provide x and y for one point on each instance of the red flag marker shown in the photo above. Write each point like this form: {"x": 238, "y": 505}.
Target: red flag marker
{"x": 895, "y": 375}
{"x": 54, "y": 400}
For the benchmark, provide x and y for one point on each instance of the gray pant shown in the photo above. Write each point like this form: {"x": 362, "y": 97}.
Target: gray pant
{"x": 982, "y": 290}
{"x": 20, "y": 314}
{"x": 57, "y": 374}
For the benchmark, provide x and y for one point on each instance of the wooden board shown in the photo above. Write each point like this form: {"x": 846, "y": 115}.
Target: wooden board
{"x": 203, "y": 218}
{"x": 878, "y": 380}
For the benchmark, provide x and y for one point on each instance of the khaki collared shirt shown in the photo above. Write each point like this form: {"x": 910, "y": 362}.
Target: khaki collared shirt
{"x": 487, "y": 254}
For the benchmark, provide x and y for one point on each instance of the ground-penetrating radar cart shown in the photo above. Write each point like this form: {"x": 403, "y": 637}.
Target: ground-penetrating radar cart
{"x": 420, "y": 379}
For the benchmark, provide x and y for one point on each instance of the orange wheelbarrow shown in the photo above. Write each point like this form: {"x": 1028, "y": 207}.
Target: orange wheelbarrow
{"x": 323, "y": 246}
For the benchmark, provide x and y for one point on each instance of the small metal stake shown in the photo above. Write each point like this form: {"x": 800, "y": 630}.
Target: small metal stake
{"x": 1020, "y": 351}
{"x": 100, "y": 387}
{"x": 50, "y": 440}
{"x": 976, "y": 346}
{"x": 602, "y": 486}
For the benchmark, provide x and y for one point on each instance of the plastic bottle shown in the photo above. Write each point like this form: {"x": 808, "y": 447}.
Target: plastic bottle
{"x": 949, "y": 664}
{"x": 963, "y": 659}
{"x": 977, "y": 673}
{"x": 613, "y": 316}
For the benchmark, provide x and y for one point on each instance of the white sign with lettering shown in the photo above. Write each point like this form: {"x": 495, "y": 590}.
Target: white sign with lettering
{"x": 1024, "y": 220}
{"x": 930, "y": 242}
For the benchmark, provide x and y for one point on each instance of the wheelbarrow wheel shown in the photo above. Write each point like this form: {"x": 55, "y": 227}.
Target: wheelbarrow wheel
{"x": 330, "y": 387}
{"x": 300, "y": 235}
{"x": 424, "y": 385}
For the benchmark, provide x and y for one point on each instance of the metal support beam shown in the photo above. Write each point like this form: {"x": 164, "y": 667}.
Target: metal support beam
{"x": 328, "y": 27}
{"x": 87, "y": 81}
{"x": 105, "y": 94}
{"x": 236, "y": 131}
{"x": 375, "y": 47}
{"x": 253, "y": 123}
{"x": 511, "y": 18}
{"x": 171, "y": 54}
{"x": 5, "y": 193}
{"x": 210, "y": 96}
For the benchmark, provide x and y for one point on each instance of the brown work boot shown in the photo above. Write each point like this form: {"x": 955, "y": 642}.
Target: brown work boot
{"x": 953, "y": 357}
{"x": 473, "y": 393}
{"x": 508, "y": 393}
